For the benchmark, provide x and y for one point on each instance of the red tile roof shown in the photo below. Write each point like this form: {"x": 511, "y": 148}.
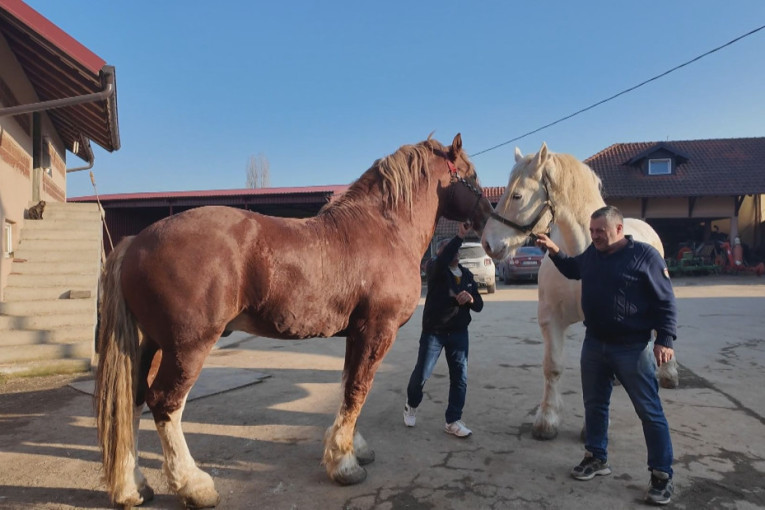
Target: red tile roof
{"x": 720, "y": 167}
{"x": 54, "y": 35}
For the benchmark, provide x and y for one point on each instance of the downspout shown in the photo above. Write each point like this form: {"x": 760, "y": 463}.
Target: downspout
{"x": 91, "y": 158}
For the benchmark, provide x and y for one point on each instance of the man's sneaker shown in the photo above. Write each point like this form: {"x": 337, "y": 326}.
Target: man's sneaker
{"x": 590, "y": 467}
{"x": 457, "y": 428}
{"x": 410, "y": 415}
{"x": 660, "y": 488}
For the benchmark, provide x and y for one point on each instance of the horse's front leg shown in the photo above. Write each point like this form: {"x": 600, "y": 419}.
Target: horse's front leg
{"x": 547, "y": 419}
{"x": 345, "y": 450}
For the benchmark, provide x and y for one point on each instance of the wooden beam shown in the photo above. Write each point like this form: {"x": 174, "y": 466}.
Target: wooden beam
{"x": 738, "y": 201}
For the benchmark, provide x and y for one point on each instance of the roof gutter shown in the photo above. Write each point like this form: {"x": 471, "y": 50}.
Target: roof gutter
{"x": 108, "y": 94}
{"x": 66, "y": 101}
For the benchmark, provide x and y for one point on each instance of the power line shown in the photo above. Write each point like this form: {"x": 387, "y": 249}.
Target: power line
{"x": 620, "y": 93}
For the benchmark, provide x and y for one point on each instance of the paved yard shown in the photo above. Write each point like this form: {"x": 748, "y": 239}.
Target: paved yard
{"x": 262, "y": 442}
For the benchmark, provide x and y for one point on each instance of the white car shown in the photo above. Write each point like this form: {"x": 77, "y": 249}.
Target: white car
{"x": 474, "y": 258}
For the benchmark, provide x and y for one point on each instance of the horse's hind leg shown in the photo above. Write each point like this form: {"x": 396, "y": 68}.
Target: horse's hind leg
{"x": 547, "y": 419}
{"x": 166, "y": 399}
{"x": 345, "y": 450}
{"x": 133, "y": 481}
{"x": 133, "y": 489}
{"x": 364, "y": 454}
{"x": 668, "y": 377}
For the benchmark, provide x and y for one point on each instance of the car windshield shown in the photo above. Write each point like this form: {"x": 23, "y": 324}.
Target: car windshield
{"x": 528, "y": 251}
{"x": 471, "y": 252}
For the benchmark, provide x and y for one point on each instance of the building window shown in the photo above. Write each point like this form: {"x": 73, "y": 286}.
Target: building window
{"x": 659, "y": 166}
{"x": 7, "y": 239}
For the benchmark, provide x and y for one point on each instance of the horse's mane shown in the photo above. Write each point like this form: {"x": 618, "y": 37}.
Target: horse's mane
{"x": 396, "y": 178}
{"x": 573, "y": 182}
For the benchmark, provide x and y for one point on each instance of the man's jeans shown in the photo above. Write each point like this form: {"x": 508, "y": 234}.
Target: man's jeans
{"x": 456, "y": 346}
{"x": 634, "y": 365}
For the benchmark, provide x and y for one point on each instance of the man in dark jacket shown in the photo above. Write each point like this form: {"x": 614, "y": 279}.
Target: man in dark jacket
{"x": 452, "y": 293}
{"x": 626, "y": 294}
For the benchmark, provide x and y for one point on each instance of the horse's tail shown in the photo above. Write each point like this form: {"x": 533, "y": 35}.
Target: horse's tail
{"x": 116, "y": 375}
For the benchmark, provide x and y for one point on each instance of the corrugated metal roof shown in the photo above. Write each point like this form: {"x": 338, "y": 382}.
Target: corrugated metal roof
{"x": 170, "y": 195}
{"x": 493, "y": 193}
{"x": 59, "y": 67}
{"x": 715, "y": 167}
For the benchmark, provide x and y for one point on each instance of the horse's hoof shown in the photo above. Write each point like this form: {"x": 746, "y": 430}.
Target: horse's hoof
{"x": 542, "y": 434}
{"x": 200, "y": 496}
{"x": 147, "y": 493}
{"x": 364, "y": 454}
{"x": 128, "y": 502}
{"x": 668, "y": 376}
{"x": 365, "y": 457}
{"x": 209, "y": 500}
{"x": 351, "y": 476}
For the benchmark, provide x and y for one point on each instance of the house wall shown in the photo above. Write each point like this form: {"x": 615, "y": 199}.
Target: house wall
{"x": 18, "y": 178}
{"x": 666, "y": 208}
{"x": 720, "y": 209}
{"x": 751, "y": 230}
{"x": 630, "y": 207}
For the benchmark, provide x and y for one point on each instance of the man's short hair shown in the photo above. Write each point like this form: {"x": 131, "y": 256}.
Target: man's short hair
{"x": 612, "y": 214}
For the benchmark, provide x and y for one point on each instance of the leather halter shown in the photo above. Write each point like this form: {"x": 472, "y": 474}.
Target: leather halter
{"x": 455, "y": 178}
{"x": 529, "y": 227}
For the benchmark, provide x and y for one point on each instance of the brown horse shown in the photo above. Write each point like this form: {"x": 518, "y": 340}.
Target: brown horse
{"x": 172, "y": 290}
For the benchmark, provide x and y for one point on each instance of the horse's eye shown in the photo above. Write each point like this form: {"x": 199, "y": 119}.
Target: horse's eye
{"x": 516, "y": 196}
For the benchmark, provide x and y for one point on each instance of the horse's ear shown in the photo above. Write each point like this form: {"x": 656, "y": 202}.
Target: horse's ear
{"x": 456, "y": 146}
{"x": 541, "y": 158}
{"x": 543, "y": 153}
{"x": 518, "y": 155}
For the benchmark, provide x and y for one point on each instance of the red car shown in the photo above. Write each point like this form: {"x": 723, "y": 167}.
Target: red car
{"x": 524, "y": 265}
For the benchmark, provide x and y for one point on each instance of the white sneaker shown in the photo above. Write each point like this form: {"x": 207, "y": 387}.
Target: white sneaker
{"x": 410, "y": 415}
{"x": 457, "y": 428}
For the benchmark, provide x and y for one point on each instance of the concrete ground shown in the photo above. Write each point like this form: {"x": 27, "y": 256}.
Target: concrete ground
{"x": 262, "y": 442}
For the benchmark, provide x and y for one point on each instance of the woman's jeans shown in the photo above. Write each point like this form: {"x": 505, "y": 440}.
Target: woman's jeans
{"x": 456, "y": 346}
{"x": 634, "y": 365}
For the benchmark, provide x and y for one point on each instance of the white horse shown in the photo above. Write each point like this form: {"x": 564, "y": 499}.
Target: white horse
{"x": 556, "y": 192}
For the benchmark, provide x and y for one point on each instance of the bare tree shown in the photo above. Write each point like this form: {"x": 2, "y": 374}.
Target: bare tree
{"x": 258, "y": 175}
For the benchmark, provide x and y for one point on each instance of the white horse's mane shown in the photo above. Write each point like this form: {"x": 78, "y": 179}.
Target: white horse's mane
{"x": 573, "y": 186}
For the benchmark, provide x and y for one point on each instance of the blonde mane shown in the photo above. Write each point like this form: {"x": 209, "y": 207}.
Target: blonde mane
{"x": 399, "y": 176}
{"x": 574, "y": 183}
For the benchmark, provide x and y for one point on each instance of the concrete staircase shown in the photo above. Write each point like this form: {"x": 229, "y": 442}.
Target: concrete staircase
{"x": 48, "y": 316}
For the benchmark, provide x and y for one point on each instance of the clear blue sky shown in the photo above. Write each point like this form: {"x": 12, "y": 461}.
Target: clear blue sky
{"x": 322, "y": 89}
